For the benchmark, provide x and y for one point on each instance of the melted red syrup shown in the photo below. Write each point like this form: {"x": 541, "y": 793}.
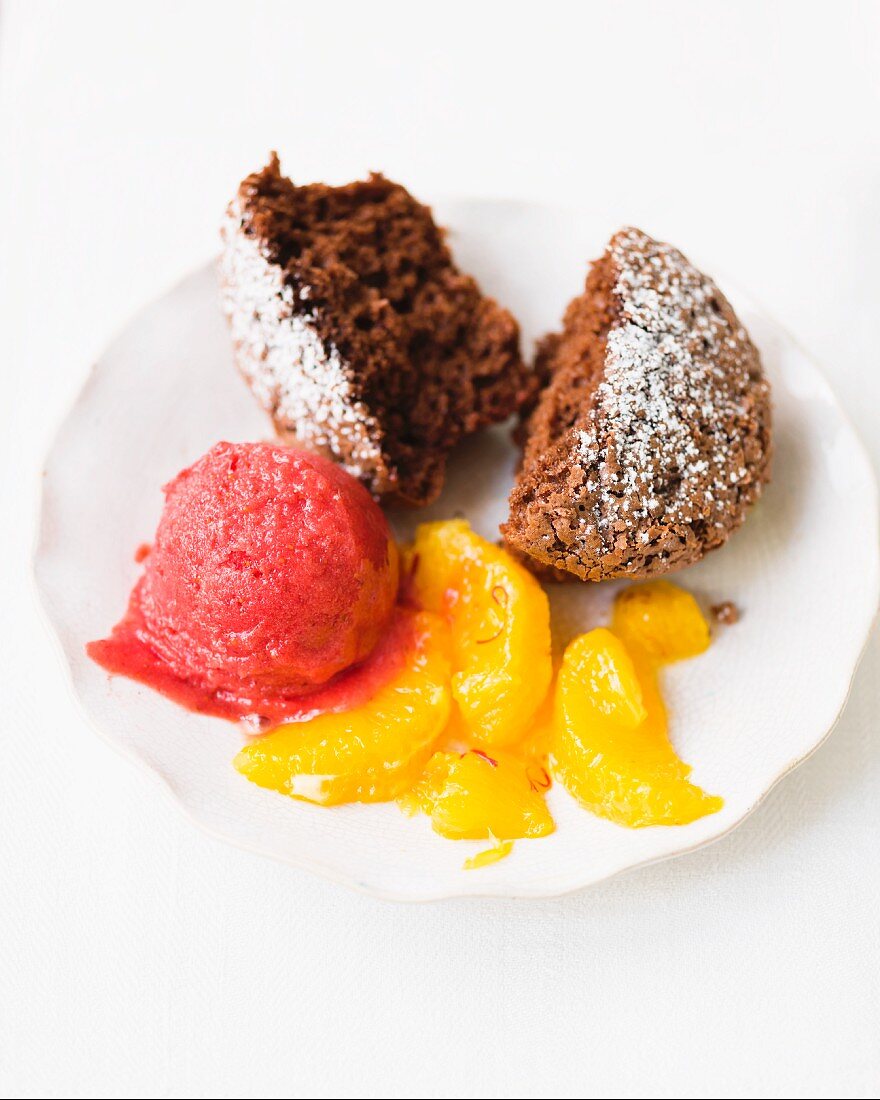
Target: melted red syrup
{"x": 129, "y": 652}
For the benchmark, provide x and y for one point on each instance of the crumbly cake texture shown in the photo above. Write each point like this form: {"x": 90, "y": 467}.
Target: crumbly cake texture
{"x": 357, "y": 333}
{"x": 651, "y": 438}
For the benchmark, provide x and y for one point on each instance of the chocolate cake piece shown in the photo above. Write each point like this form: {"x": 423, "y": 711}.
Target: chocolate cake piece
{"x": 651, "y": 437}
{"x": 358, "y": 334}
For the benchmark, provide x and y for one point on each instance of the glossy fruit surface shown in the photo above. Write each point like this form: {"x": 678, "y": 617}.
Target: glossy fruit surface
{"x": 478, "y": 794}
{"x": 373, "y": 752}
{"x": 662, "y": 620}
{"x": 611, "y": 746}
{"x": 499, "y": 620}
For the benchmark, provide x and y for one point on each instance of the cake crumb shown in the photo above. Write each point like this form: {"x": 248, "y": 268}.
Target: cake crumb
{"x": 726, "y": 613}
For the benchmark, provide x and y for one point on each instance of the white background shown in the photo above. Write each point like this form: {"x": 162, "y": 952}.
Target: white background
{"x": 140, "y": 958}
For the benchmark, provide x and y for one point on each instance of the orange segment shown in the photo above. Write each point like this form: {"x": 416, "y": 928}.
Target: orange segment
{"x": 495, "y": 854}
{"x": 371, "y": 753}
{"x": 475, "y": 795}
{"x": 599, "y": 680}
{"x": 662, "y": 620}
{"x": 611, "y": 749}
{"x": 500, "y": 625}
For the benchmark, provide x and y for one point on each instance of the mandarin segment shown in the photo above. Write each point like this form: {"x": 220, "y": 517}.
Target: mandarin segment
{"x": 476, "y": 795}
{"x": 373, "y": 752}
{"x": 654, "y": 731}
{"x": 598, "y": 676}
{"x": 621, "y": 769}
{"x": 615, "y": 791}
{"x": 499, "y": 620}
{"x": 662, "y": 620}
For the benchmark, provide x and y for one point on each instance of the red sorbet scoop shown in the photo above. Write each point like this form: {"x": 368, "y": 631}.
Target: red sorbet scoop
{"x": 272, "y": 572}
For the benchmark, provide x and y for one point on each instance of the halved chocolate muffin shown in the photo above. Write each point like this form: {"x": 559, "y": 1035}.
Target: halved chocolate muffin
{"x": 358, "y": 334}
{"x": 651, "y": 437}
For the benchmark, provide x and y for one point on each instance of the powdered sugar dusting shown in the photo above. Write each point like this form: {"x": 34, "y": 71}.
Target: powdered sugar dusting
{"x": 665, "y": 443}
{"x": 298, "y": 378}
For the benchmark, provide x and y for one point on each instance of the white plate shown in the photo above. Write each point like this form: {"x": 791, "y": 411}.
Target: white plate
{"x": 804, "y": 571}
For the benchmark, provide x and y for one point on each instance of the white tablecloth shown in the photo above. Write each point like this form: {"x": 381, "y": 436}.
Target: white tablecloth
{"x": 140, "y": 958}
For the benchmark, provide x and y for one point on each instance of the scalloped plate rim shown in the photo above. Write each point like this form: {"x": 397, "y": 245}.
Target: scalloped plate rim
{"x": 487, "y": 890}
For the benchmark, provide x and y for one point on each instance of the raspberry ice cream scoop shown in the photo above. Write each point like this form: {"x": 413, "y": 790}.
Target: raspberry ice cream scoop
{"x": 272, "y": 573}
